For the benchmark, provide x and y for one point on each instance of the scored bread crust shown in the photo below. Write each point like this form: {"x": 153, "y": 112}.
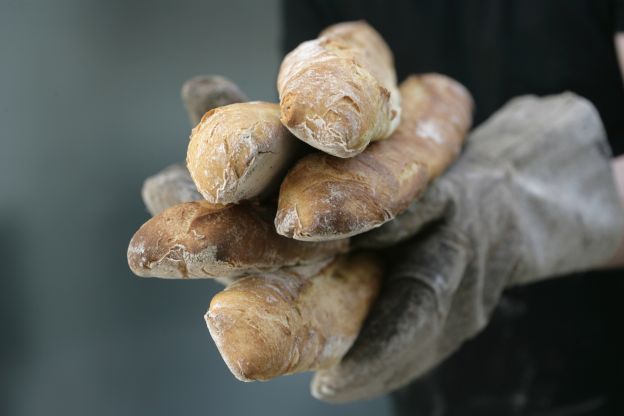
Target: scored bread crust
{"x": 240, "y": 151}
{"x": 274, "y": 324}
{"x": 338, "y": 92}
{"x": 326, "y": 198}
{"x": 203, "y": 240}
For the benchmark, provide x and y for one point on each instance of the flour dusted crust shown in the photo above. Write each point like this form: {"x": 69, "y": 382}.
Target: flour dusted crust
{"x": 325, "y": 198}
{"x": 274, "y": 324}
{"x": 240, "y": 151}
{"x": 204, "y": 240}
{"x": 338, "y": 92}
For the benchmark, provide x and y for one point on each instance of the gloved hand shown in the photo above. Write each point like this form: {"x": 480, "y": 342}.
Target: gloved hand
{"x": 532, "y": 197}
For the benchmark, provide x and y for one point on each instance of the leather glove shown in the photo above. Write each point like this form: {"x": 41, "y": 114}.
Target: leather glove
{"x": 532, "y": 197}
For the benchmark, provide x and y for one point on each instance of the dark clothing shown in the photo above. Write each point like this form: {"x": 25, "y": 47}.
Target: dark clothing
{"x": 551, "y": 348}
{"x": 497, "y": 48}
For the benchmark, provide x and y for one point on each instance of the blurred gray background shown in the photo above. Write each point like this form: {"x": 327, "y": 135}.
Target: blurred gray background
{"x": 89, "y": 106}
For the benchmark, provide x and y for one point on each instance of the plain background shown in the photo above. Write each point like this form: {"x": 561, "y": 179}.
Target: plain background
{"x": 89, "y": 107}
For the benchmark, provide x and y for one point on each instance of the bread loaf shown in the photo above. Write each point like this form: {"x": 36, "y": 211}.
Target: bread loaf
{"x": 274, "y": 324}
{"x": 325, "y": 198}
{"x": 202, "y": 93}
{"x": 171, "y": 186}
{"x": 174, "y": 185}
{"x": 338, "y": 92}
{"x": 200, "y": 239}
{"x": 240, "y": 151}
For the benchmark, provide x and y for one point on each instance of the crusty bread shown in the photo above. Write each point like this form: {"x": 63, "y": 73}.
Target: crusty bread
{"x": 202, "y": 93}
{"x": 174, "y": 185}
{"x": 171, "y": 186}
{"x": 200, "y": 239}
{"x": 338, "y": 92}
{"x": 325, "y": 198}
{"x": 274, "y": 324}
{"x": 240, "y": 151}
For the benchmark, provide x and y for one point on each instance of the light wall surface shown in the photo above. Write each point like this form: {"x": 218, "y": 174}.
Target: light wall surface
{"x": 89, "y": 107}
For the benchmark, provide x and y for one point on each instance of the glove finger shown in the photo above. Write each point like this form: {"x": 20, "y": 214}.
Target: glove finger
{"x": 421, "y": 212}
{"x": 512, "y": 132}
{"x": 398, "y": 341}
{"x": 171, "y": 186}
{"x": 205, "y": 92}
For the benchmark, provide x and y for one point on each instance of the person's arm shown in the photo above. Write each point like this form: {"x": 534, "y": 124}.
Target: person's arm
{"x": 617, "y": 165}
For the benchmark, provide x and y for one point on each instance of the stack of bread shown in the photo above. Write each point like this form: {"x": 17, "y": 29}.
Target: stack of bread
{"x": 272, "y": 193}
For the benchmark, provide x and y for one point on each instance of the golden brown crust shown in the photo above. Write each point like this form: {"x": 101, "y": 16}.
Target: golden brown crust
{"x": 338, "y": 92}
{"x": 275, "y": 324}
{"x": 324, "y": 198}
{"x": 200, "y": 239}
{"x": 240, "y": 151}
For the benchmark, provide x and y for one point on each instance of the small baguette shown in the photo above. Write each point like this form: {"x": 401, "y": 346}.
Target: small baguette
{"x": 338, "y": 92}
{"x": 240, "y": 151}
{"x": 325, "y": 198}
{"x": 202, "y": 93}
{"x": 174, "y": 185}
{"x": 204, "y": 240}
{"x": 275, "y": 324}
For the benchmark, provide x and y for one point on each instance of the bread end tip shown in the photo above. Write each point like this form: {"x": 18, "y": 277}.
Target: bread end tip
{"x": 240, "y": 346}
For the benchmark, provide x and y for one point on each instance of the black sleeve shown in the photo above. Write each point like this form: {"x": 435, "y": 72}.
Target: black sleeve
{"x": 617, "y": 145}
{"x": 619, "y": 16}
{"x": 303, "y": 20}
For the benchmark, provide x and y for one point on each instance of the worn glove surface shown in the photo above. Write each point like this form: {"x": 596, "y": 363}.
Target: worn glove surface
{"x": 532, "y": 197}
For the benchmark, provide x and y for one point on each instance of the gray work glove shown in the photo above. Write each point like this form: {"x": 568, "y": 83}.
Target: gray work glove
{"x": 171, "y": 186}
{"x": 532, "y": 197}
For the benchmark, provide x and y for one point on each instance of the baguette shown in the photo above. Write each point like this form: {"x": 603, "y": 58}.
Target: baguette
{"x": 202, "y": 93}
{"x": 239, "y": 152}
{"x": 174, "y": 185}
{"x": 204, "y": 240}
{"x": 325, "y": 198}
{"x": 274, "y": 324}
{"x": 338, "y": 92}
